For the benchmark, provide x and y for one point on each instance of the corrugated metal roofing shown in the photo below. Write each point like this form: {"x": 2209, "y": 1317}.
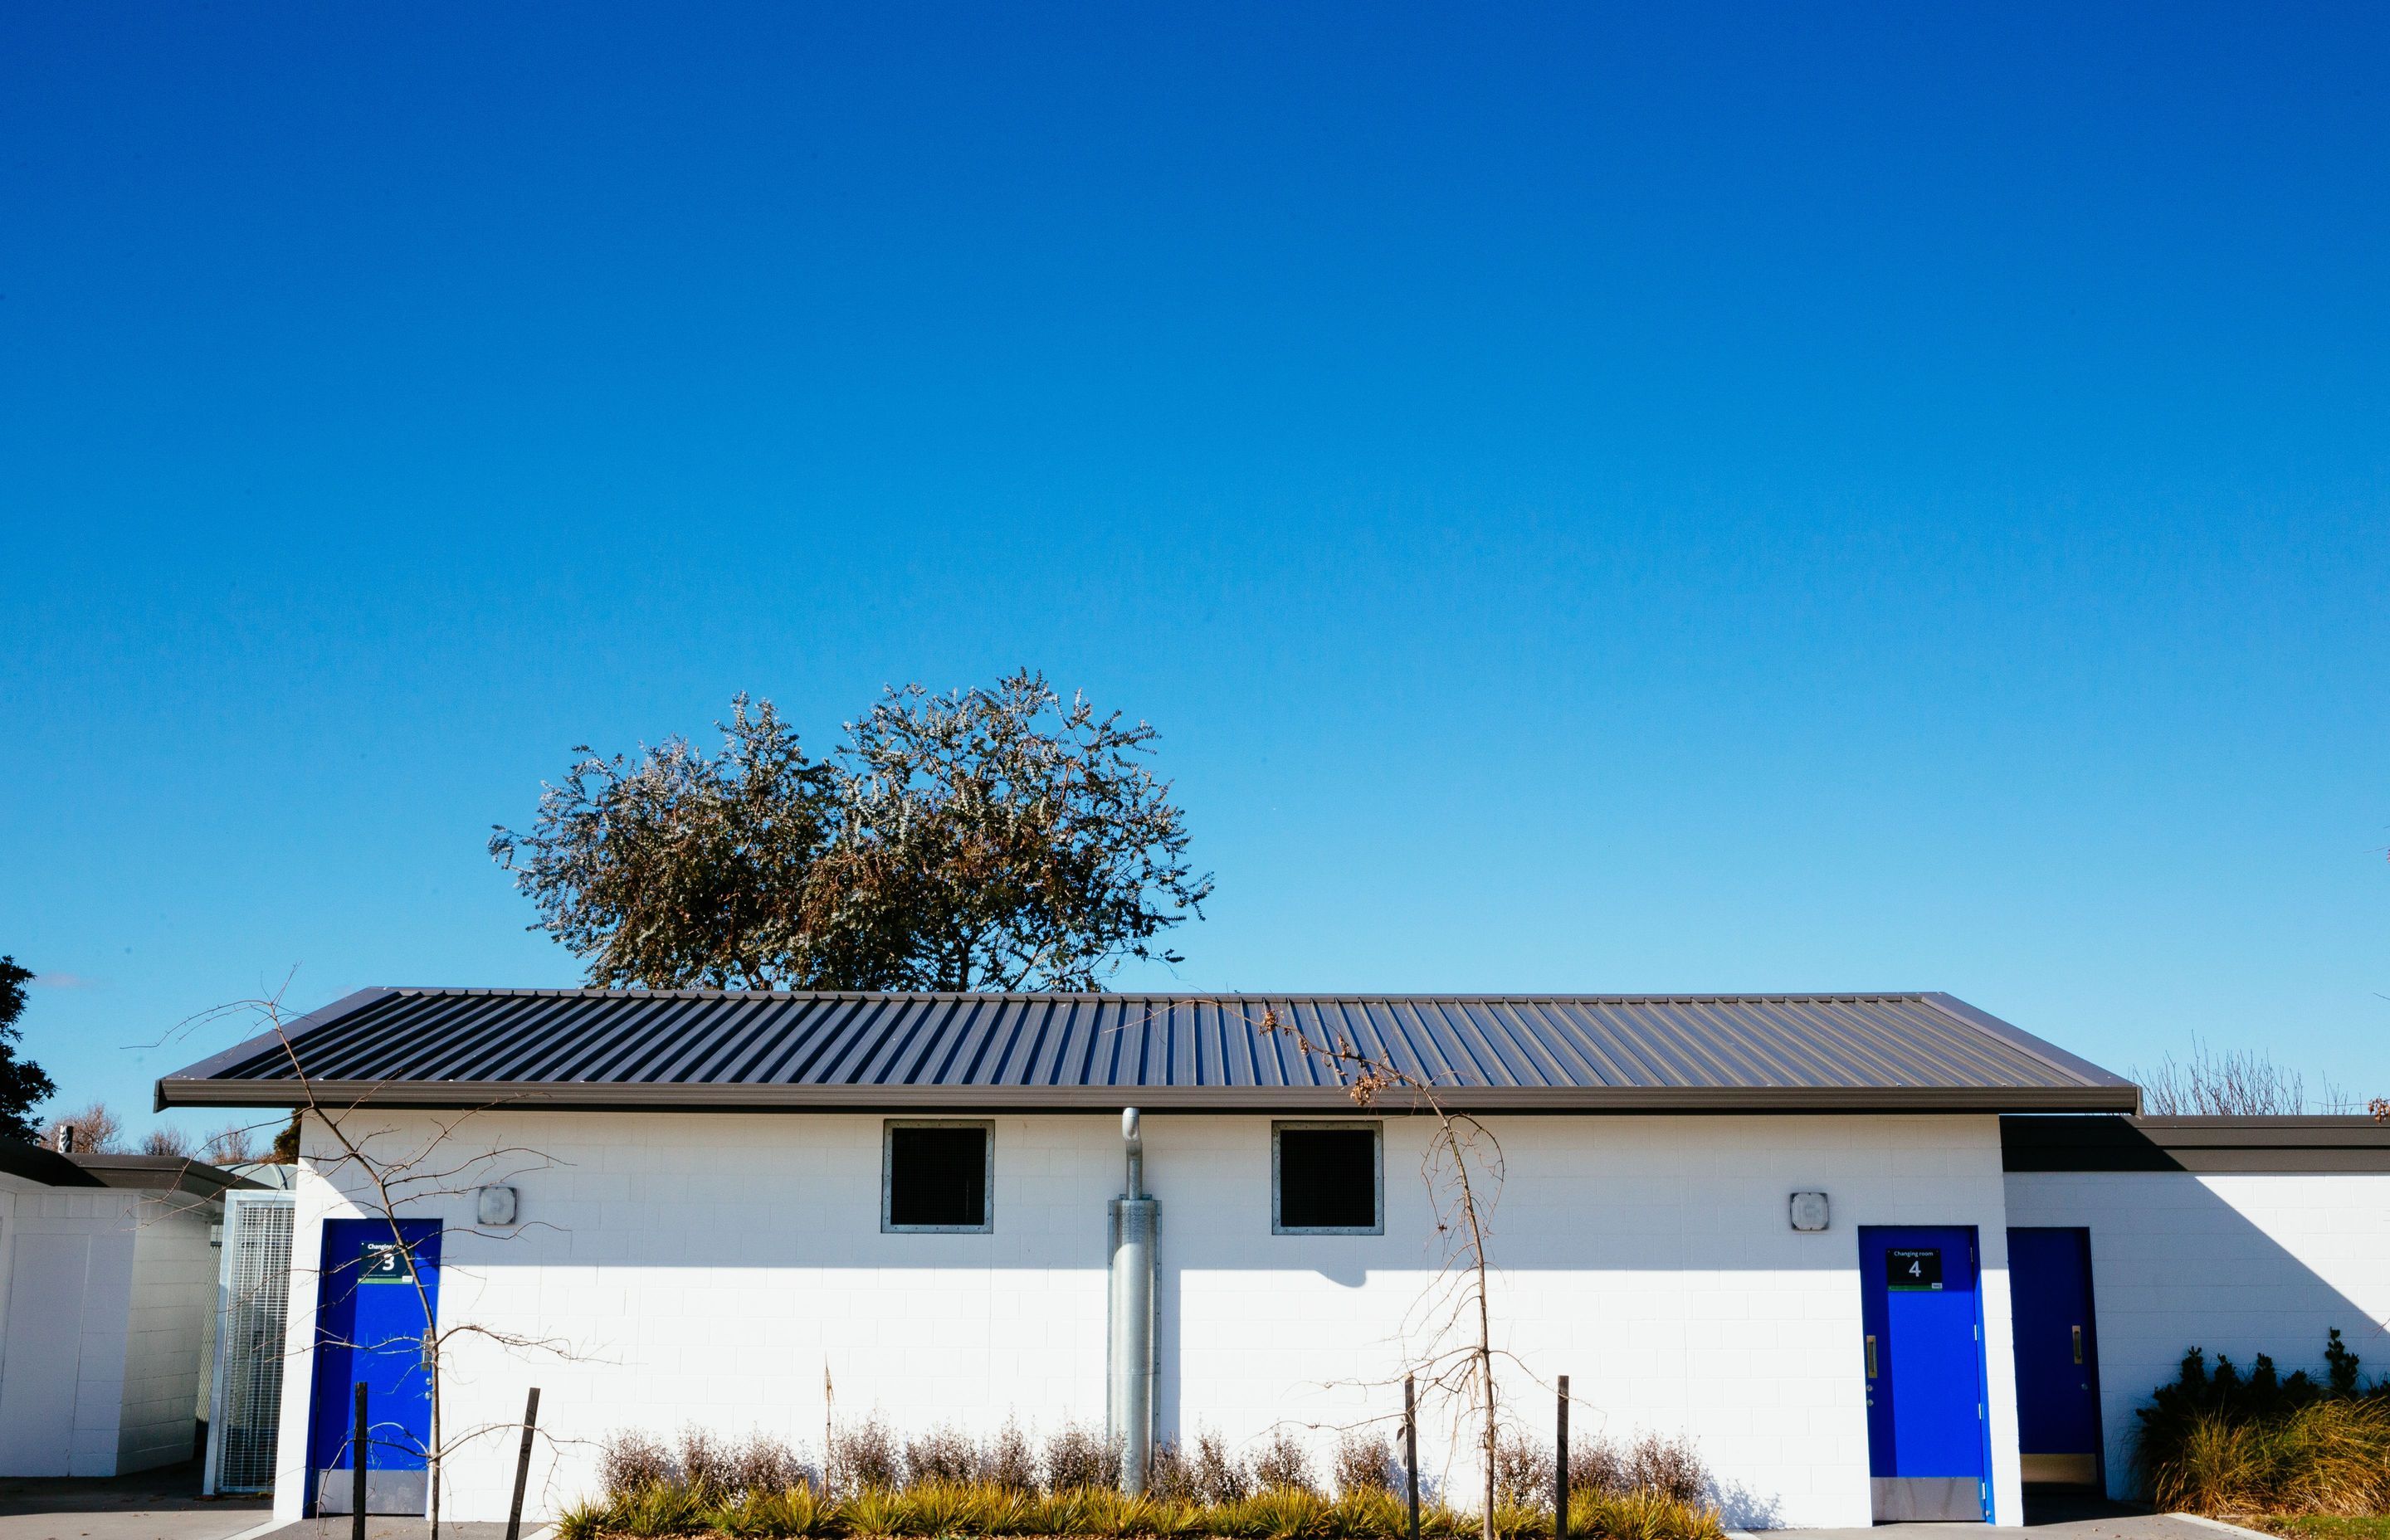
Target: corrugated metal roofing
{"x": 594, "y": 1048}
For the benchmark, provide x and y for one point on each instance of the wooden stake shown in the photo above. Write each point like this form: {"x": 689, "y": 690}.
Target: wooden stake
{"x": 522, "y": 1464}
{"x": 1559, "y": 1473}
{"x": 357, "y": 1470}
{"x": 1411, "y": 1449}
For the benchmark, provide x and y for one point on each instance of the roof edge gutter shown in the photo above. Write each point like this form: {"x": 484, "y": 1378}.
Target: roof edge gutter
{"x": 595, "y": 1096}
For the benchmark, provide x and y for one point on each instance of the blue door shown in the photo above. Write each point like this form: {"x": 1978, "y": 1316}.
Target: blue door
{"x": 1921, "y": 1310}
{"x": 376, "y": 1294}
{"x": 2057, "y": 1355}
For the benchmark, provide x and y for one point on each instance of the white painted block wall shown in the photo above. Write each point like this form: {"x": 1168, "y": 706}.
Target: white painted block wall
{"x": 62, "y": 1358}
{"x": 167, "y": 1332}
{"x": 2238, "y": 1263}
{"x": 709, "y": 1268}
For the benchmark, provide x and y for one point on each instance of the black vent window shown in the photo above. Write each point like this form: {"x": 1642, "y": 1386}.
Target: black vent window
{"x": 937, "y": 1177}
{"x": 1328, "y": 1179}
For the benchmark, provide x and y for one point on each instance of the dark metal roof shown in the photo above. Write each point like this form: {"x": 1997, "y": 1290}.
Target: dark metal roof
{"x": 588, "y": 1048}
{"x": 45, "y": 1166}
{"x": 2209, "y": 1144}
{"x": 158, "y": 1173}
{"x": 164, "y": 1173}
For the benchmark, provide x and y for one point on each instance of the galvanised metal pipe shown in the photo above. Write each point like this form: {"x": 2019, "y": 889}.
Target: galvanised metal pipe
{"x": 1136, "y": 1231}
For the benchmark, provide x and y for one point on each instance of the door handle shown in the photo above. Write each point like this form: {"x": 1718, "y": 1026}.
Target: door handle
{"x": 2078, "y": 1344}
{"x": 1871, "y": 1355}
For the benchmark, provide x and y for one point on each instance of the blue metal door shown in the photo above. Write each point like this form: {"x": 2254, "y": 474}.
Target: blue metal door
{"x": 1922, "y": 1311}
{"x": 377, "y": 1294}
{"x": 2057, "y": 1355}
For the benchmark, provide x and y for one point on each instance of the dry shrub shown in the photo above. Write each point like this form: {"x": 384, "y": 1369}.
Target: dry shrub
{"x": 1364, "y": 1462}
{"x": 1078, "y": 1457}
{"x": 1598, "y": 1464}
{"x": 943, "y": 1454}
{"x": 1667, "y": 1467}
{"x": 1523, "y": 1470}
{"x": 1282, "y": 1465}
{"x": 1219, "y": 1476}
{"x": 763, "y": 1467}
{"x": 630, "y": 1461}
{"x": 1010, "y": 1465}
{"x": 865, "y": 1456}
{"x": 704, "y": 1461}
{"x": 1170, "y": 1475}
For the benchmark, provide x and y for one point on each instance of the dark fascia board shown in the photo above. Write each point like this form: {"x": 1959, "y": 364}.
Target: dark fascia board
{"x": 265, "y": 1042}
{"x": 2321, "y": 1145}
{"x": 591, "y": 1095}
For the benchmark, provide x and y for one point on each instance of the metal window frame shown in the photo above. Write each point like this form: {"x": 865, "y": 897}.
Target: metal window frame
{"x": 1377, "y": 1130}
{"x": 888, "y": 1176}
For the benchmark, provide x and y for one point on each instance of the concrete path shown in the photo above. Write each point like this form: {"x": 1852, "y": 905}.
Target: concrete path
{"x": 2119, "y": 1525}
{"x": 165, "y": 1505}
{"x": 155, "y": 1505}
{"x": 378, "y": 1527}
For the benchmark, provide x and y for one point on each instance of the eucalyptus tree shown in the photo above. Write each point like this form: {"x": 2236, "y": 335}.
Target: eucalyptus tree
{"x": 992, "y": 838}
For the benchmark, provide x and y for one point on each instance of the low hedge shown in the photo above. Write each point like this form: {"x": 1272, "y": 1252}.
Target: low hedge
{"x": 667, "y": 1508}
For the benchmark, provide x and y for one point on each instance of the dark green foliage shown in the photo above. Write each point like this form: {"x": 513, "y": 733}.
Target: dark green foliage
{"x": 22, "y": 1084}
{"x": 286, "y": 1144}
{"x": 2218, "y": 1440}
{"x": 2342, "y": 1370}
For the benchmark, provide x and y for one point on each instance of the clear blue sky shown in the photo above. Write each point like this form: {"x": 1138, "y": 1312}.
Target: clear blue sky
{"x": 1596, "y": 498}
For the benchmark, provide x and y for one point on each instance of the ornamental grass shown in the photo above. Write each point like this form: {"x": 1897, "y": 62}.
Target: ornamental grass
{"x": 2219, "y": 1441}
{"x": 667, "y": 1508}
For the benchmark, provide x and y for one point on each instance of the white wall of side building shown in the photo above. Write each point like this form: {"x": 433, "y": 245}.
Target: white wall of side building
{"x": 709, "y": 1268}
{"x": 2240, "y": 1263}
{"x": 169, "y": 1330}
{"x": 99, "y": 1328}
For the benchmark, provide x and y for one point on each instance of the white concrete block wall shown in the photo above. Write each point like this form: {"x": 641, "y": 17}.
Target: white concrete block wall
{"x": 706, "y": 1269}
{"x": 2238, "y": 1263}
{"x": 167, "y": 1331}
{"x": 100, "y": 1226}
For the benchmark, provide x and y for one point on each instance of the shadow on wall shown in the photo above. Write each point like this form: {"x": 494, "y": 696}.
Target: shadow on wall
{"x": 2183, "y": 1260}
{"x": 1740, "y": 1507}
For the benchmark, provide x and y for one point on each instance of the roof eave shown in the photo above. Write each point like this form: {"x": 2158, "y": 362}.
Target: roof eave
{"x": 595, "y": 1096}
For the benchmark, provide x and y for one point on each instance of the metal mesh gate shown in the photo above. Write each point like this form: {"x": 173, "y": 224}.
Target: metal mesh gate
{"x": 246, "y": 1403}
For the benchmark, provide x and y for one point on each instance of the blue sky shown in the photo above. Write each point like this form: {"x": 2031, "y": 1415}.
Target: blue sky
{"x": 1595, "y": 498}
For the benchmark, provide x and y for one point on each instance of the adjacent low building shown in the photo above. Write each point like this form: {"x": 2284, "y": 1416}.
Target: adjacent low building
{"x": 107, "y": 1289}
{"x": 2133, "y": 1241}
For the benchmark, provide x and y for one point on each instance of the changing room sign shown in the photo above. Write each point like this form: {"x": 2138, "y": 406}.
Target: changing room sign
{"x": 1913, "y": 1269}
